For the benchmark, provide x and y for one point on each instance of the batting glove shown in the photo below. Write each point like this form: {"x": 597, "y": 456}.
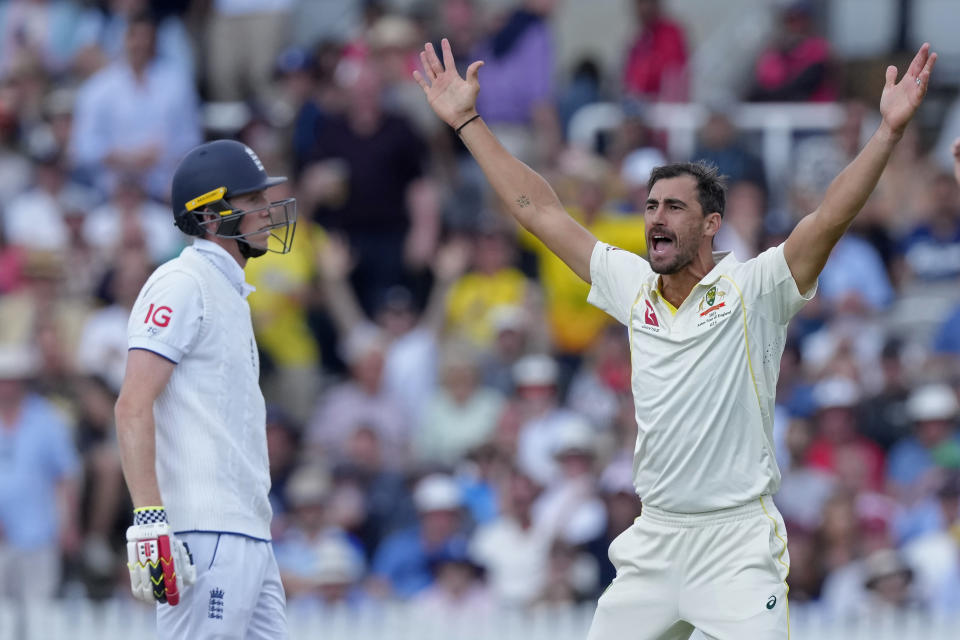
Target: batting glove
{"x": 160, "y": 565}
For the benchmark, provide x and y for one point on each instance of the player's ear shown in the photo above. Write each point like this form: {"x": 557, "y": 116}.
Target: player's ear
{"x": 711, "y": 223}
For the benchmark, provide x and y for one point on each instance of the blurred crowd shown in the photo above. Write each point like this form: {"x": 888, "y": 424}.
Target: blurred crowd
{"x": 450, "y": 423}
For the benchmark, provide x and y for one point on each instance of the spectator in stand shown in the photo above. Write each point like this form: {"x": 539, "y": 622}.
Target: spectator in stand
{"x": 360, "y": 400}
{"x": 458, "y": 591}
{"x": 383, "y": 202}
{"x": 106, "y": 29}
{"x": 512, "y": 548}
{"x": 130, "y": 217}
{"x": 656, "y": 67}
{"x": 102, "y": 349}
{"x": 139, "y": 115}
{"x": 386, "y": 503}
{"x": 570, "y": 507}
{"x": 796, "y": 65}
{"x": 622, "y": 508}
{"x": 915, "y": 462}
{"x": 517, "y": 98}
{"x": 310, "y": 525}
{"x": 243, "y": 39}
{"x": 535, "y": 418}
{"x": 37, "y": 218}
{"x": 103, "y": 497}
{"x": 930, "y": 252}
{"x": 38, "y": 484}
{"x": 838, "y": 441}
{"x": 410, "y": 336}
{"x": 401, "y": 565}
{"x": 935, "y": 555}
{"x": 331, "y": 578}
{"x": 885, "y": 419}
{"x": 804, "y": 489}
{"x": 42, "y": 306}
{"x": 602, "y": 378}
{"x": 493, "y": 282}
{"x": 719, "y": 142}
{"x": 461, "y": 415}
{"x": 947, "y": 341}
{"x": 742, "y": 232}
{"x": 46, "y": 30}
{"x": 512, "y": 340}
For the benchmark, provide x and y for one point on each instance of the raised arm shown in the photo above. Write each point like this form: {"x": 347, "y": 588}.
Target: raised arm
{"x": 527, "y": 195}
{"x": 146, "y": 376}
{"x": 810, "y": 243}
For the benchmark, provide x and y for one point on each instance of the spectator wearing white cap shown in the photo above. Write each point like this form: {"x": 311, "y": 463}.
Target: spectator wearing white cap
{"x": 401, "y": 565}
{"x": 935, "y": 441}
{"x": 571, "y": 508}
{"x": 838, "y": 441}
{"x": 330, "y": 575}
{"x": 537, "y": 416}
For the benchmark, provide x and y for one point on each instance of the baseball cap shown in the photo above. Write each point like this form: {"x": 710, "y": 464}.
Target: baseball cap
{"x": 932, "y": 402}
{"x": 508, "y": 318}
{"x": 836, "y": 393}
{"x": 574, "y": 435}
{"x": 309, "y": 485}
{"x": 437, "y": 492}
{"x": 535, "y": 370}
{"x": 882, "y": 564}
{"x": 639, "y": 164}
{"x": 18, "y": 362}
{"x": 336, "y": 562}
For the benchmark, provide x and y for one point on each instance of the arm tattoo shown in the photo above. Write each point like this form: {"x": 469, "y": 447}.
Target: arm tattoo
{"x": 523, "y": 201}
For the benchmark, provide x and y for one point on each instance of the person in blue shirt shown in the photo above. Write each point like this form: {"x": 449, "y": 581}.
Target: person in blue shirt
{"x": 38, "y": 484}
{"x": 401, "y": 565}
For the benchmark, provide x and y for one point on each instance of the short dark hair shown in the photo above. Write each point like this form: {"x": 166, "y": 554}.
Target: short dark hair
{"x": 711, "y": 186}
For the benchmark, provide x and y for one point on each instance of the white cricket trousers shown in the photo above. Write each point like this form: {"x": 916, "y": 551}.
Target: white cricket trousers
{"x": 722, "y": 572}
{"x": 237, "y": 595}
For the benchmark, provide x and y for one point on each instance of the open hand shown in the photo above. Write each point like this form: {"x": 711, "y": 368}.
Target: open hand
{"x": 900, "y": 100}
{"x": 451, "y": 97}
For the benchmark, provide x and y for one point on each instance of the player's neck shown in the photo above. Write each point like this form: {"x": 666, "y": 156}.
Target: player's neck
{"x": 675, "y": 287}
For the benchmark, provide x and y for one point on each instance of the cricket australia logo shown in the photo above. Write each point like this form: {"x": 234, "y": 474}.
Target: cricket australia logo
{"x": 712, "y": 301}
{"x": 215, "y": 608}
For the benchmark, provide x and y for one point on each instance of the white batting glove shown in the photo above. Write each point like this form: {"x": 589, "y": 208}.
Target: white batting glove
{"x": 160, "y": 565}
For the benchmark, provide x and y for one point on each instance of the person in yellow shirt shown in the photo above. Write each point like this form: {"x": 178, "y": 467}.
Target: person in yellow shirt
{"x": 491, "y": 284}
{"x": 574, "y": 323}
{"x": 279, "y": 311}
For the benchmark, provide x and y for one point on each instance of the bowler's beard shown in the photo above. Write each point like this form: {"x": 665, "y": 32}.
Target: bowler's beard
{"x": 682, "y": 258}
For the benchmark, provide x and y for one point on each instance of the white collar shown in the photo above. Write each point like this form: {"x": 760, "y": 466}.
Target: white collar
{"x": 226, "y": 263}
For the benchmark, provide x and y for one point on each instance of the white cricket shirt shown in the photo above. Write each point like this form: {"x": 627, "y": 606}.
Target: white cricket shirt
{"x": 704, "y": 378}
{"x": 211, "y": 459}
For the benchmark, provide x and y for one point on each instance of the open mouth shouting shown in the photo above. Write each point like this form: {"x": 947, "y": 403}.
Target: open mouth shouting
{"x": 661, "y": 242}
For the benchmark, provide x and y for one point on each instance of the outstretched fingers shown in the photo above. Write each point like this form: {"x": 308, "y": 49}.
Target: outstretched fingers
{"x": 919, "y": 61}
{"x": 431, "y": 59}
{"x": 924, "y": 76}
{"x": 448, "y": 61}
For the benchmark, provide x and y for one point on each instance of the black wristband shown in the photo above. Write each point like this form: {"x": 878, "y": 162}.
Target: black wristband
{"x": 460, "y": 128}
